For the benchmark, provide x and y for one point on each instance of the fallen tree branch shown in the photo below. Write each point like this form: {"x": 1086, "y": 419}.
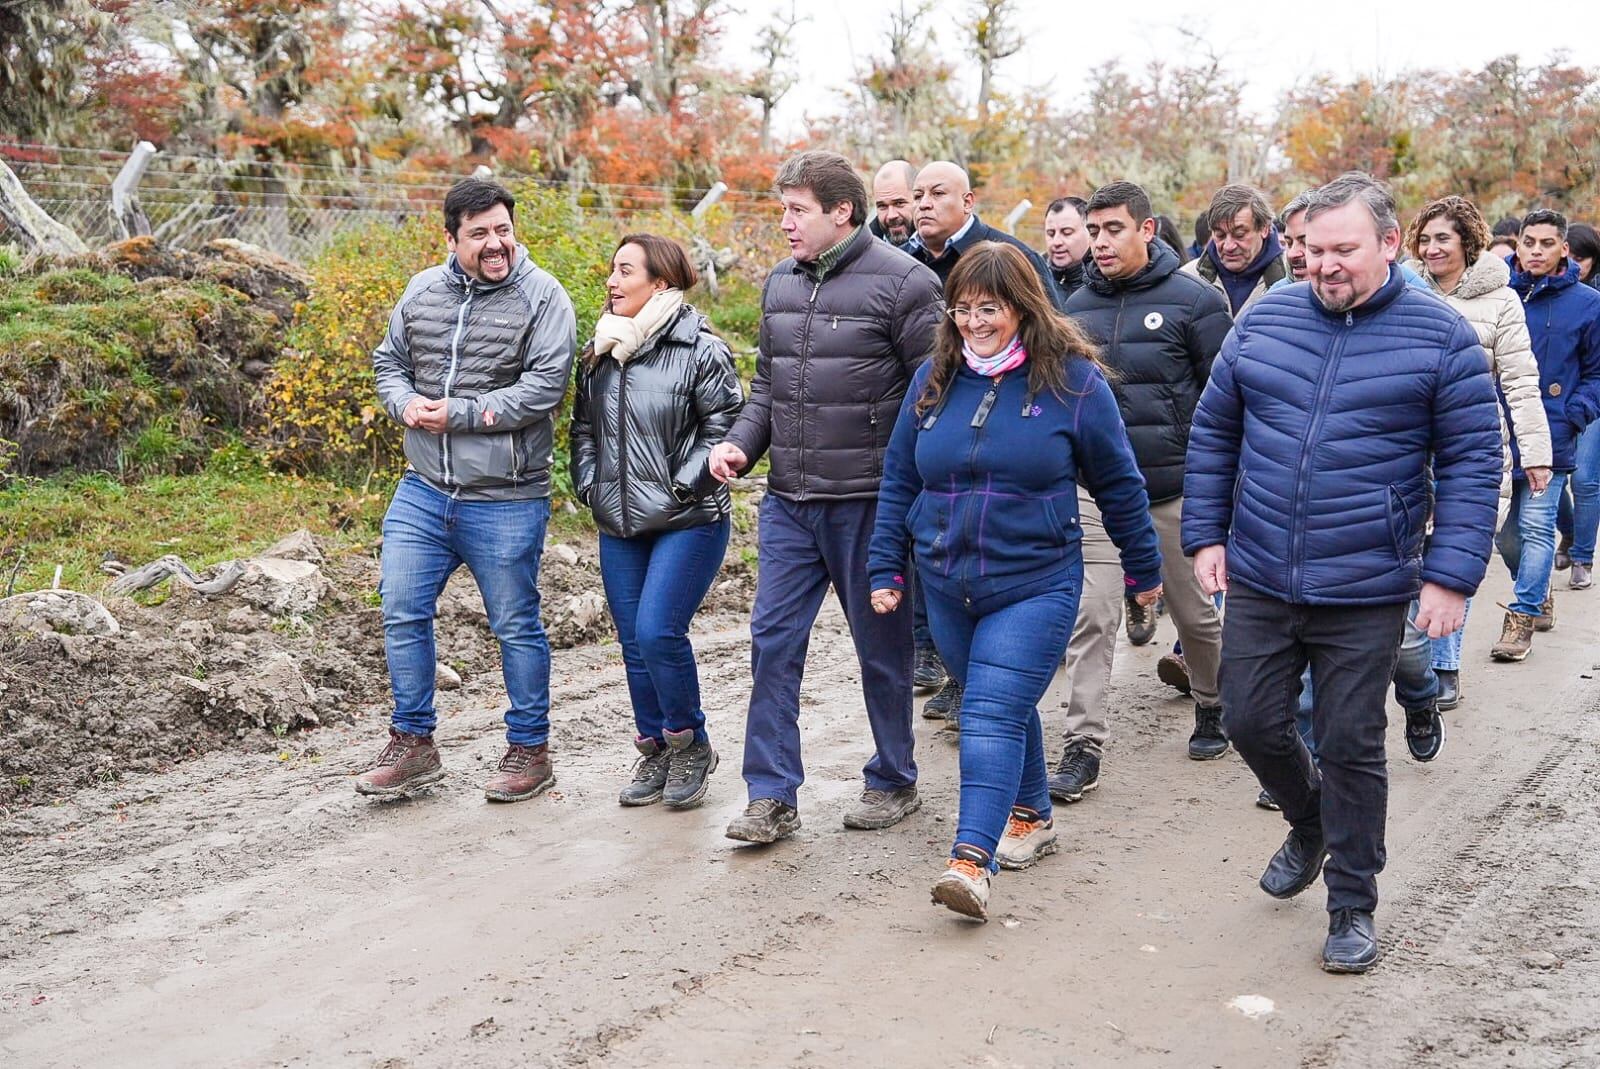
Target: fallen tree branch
{"x": 171, "y": 567}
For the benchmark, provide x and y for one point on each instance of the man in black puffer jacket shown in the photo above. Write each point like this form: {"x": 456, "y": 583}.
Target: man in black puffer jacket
{"x": 844, "y": 324}
{"x": 1161, "y": 329}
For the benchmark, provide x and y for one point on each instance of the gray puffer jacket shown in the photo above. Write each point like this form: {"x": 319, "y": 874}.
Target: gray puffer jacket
{"x": 837, "y": 353}
{"x": 501, "y": 353}
{"x": 641, "y": 431}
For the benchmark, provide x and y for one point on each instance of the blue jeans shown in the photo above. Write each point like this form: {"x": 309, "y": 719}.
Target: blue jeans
{"x": 804, "y": 547}
{"x": 654, "y": 584}
{"x": 1447, "y": 650}
{"x": 1527, "y": 542}
{"x": 427, "y": 535}
{"x": 1005, "y": 658}
{"x": 1580, "y": 509}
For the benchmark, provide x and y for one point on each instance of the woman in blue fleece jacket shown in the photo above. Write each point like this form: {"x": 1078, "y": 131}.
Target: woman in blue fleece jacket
{"x": 981, "y": 477}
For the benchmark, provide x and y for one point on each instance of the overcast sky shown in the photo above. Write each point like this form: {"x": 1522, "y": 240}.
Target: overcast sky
{"x": 1272, "y": 44}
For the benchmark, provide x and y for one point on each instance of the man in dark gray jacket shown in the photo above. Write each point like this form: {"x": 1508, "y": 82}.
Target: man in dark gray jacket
{"x": 844, "y": 324}
{"x": 474, "y": 364}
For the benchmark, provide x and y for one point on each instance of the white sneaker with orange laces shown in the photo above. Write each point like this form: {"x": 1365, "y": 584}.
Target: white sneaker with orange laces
{"x": 964, "y": 887}
{"x": 1027, "y": 839}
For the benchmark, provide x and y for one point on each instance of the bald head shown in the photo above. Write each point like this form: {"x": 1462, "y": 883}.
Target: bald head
{"x": 891, "y": 199}
{"x": 943, "y": 197}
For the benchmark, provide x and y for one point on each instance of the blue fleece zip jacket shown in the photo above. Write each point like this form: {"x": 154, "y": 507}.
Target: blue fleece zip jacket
{"x": 1564, "y": 324}
{"x": 992, "y": 510}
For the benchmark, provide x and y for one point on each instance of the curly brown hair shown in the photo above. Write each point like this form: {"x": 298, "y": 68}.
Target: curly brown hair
{"x": 999, "y": 271}
{"x": 1463, "y": 215}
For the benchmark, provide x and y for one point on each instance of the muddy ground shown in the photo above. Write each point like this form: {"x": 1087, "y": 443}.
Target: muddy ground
{"x": 245, "y": 908}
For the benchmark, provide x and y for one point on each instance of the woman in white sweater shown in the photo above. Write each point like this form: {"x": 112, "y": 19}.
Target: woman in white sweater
{"x": 1450, "y": 239}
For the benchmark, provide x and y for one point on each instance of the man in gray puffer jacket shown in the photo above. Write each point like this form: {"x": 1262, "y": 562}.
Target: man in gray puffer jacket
{"x": 844, "y": 323}
{"x": 474, "y": 364}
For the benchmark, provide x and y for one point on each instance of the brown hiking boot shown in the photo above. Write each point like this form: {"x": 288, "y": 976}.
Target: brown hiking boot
{"x": 1546, "y": 620}
{"x": 1516, "y": 638}
{"x": 524, "y": 772}
{"x": 406, "y": 763}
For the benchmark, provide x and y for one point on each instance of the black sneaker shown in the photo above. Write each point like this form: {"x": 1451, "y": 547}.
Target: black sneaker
{"x": 689, "y": 767}
{"x": 929, "y": 673}
{"x": 1208, "y": 742}
{"x": 945, "y": 705}
{"x": 649, "y": 774}
{"x": 1140, "y": 620}
{"x": 1077, "y": 774}
{"x": 765, "y": 820}
{"x": 1424, "y": 733}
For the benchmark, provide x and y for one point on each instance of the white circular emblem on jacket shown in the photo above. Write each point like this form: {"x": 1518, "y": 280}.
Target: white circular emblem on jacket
{"x": 1153, "y": 321}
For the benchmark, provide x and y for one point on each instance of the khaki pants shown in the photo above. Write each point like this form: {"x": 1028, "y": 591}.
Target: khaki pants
{"x": 1192, "y": 610}
{"x": 1080, "y": 683}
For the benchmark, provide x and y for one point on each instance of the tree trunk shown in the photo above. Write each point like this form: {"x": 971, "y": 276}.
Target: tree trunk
{"x": 39, "y": 232}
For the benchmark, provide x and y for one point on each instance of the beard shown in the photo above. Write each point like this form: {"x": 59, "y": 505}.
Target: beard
{"x": 1341, "y": 299}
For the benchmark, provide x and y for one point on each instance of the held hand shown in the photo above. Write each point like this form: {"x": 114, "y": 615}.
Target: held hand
{"x": 886, "y": 600}
{"x": 1211, "y": 569}
{"x": 1440, "y": 610}
{"x": 1538, "y": 478}
{"x": 431, "y": 416}
{"x": 727, "y": 461}
{"x": 1149, "y": 597}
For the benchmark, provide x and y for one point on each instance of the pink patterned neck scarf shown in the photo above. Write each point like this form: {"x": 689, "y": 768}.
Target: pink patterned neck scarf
{"x": 1007, "y": 359}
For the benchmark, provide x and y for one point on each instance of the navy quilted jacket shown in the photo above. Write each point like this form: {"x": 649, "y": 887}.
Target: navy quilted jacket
{"x": 1309, "y": 455}
{"x": 1564, "y": 325}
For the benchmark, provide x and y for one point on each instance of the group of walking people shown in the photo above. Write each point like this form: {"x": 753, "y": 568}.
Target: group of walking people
{"x": 993, "y": 457}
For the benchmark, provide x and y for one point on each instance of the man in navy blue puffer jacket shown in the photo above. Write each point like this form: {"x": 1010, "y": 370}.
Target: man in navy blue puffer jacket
{"x": 1306, "y": 496}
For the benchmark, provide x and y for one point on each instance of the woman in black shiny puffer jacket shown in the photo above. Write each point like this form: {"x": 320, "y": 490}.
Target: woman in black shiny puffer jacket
{"x": 656, "y": 390}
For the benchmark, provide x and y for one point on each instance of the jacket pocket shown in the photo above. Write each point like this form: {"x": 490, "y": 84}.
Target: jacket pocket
{"x": 1399, "y": 522}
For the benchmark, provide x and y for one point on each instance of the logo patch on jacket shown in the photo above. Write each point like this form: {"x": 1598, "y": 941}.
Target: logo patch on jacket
{"x": 1153, "y": 321}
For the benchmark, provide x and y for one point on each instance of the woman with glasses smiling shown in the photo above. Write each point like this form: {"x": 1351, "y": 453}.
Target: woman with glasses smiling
{"x": 981, "y": 479}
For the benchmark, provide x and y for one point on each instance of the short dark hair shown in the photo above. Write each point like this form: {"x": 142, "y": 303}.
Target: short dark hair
{"x": 1509, "y": 226}
{"x": 830, "y": 178}
{"x": 1583, "y": 241}
{"x": 1546, "y": 217}
{"x": 1119, "y": 194}
{"x": 1077, "y": 204}
{"x": 471, "y": 196}
{"x": 1228, "y": 201}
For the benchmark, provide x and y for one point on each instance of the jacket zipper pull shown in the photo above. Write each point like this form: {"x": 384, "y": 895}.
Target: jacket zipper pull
{"x": 835, "y": 322}
{"x": 815, "y": 286}
{"x": 1349, "y": 319}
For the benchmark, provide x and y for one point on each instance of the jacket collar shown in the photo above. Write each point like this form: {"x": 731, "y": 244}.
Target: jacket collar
{"x": 1070, "y": 276}
{"x": 855, "y": 245}
{"x": 1163, "y": 262}
{"x": 1484, "y": 275}
{"x": 1268, "y": 263}
{"x": 1392, "y": 288}
{"x": 1528, "y": 287}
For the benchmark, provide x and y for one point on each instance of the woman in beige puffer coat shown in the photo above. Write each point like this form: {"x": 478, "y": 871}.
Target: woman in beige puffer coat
{"x": 1449, "y": 239}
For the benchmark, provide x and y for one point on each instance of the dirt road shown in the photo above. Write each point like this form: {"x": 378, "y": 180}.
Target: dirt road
{"x": 250, "y": 910}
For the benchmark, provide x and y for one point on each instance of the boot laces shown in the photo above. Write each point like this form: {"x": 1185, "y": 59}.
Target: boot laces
{"x": 517, "y": 759}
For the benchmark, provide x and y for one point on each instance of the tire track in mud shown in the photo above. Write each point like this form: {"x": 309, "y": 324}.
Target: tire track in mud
{"x": 1462, "y": 875}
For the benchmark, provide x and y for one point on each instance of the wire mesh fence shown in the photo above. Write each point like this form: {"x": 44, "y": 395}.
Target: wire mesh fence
{"x": 292, "y": 209}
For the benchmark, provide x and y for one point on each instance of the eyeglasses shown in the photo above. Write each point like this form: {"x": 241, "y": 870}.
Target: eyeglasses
{"x": 962, "y": 314}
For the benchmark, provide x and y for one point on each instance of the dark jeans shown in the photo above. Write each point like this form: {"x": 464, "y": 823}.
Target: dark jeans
{"x": 427, "y": 535}
{"x": 1006, "y": 658}
{"x": 1266, "y": 645}
{"x": 654, "y": 584}
{"x": 804, "y": 546}
{"x": 1415, "y": 685}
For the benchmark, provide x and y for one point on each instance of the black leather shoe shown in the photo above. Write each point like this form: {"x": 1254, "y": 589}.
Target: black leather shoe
{"x": 1295, "y": 866}
{"x": 1352, "y": 944}
{"x": 1424, "y": 733}
{"x": 1208, "y": 741}
{"x": 1449, "y": 689}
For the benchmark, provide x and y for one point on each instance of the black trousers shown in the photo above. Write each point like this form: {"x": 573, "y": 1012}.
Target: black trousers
{"x": 1266, "y": 645}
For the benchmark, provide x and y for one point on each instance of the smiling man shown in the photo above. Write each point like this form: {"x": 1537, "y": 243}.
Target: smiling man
{"x": 1244, "y": 258}
{"x": 844, "y": 323}
{"x": 474, "y": 364}
{"x": 1335, "y": 416}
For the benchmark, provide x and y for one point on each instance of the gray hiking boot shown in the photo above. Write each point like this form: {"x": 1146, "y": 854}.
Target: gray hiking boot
{"x": 883, "y": 809}
{"x": 649, "y": 774}
{"x": 689, "y": 768}
{"x": 1582, "y": 576}
{"x": 765, "y": 820}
